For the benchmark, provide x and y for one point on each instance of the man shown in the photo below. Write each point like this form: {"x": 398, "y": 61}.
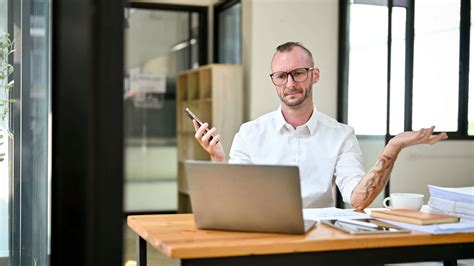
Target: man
{"x": 297, "y": 134}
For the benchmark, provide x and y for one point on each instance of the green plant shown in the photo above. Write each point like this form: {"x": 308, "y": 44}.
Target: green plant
{"x": 6, "y": 69}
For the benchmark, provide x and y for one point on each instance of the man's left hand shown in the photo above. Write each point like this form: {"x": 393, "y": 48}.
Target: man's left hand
{"x": 410, "y": 138}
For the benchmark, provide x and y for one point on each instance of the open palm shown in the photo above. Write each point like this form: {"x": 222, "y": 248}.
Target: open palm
{"x": 422, "y": 136}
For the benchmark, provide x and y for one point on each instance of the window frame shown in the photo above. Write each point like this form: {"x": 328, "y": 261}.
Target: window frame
{"x": 343, "y": 68}
{"x": 203, "y": 22}
{"x": 219, "y": 8}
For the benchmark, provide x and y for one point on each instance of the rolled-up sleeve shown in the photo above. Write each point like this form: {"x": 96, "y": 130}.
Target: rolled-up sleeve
{"x": 349, "y": 169}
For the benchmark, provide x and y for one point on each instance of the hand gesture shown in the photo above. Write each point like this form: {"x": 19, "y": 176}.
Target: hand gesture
{"x": 422, "y": 136}
{"x": 212, "y": 146}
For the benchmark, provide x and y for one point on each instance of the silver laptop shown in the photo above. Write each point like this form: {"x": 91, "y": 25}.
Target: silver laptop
{"x": 261, "y": 198}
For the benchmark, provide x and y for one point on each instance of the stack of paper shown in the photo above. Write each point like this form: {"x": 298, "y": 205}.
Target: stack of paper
{"x": 452, "y": 201}
{"x": 464, "y": 226}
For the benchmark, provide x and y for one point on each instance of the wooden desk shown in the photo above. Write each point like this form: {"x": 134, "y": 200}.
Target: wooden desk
{"x": 177, "y": 237}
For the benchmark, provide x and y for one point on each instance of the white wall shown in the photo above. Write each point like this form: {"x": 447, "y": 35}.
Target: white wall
{"x": 449, "y": 163}
{"x": 269, "y": 23}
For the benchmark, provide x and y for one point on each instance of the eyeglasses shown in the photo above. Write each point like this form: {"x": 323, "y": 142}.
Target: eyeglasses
{"x": 298, "y": 75}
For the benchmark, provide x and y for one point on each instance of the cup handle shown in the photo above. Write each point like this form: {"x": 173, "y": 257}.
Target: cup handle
{"x": 385, "y": 202}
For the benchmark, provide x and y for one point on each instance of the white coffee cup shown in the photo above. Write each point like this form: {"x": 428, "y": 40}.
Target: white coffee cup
{"x": 411, "y": 201}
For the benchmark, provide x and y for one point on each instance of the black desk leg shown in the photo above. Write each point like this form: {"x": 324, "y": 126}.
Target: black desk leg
{"x": 450, "y": 263}
{"x": 141, "y": 251}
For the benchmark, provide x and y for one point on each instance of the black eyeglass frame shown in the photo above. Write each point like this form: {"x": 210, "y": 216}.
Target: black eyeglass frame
{"x": 307, "y": 69}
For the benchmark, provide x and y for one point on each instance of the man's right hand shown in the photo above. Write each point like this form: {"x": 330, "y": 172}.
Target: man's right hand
{"x": 213, "y": 147}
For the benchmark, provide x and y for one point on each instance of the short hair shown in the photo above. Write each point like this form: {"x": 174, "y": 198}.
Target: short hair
{"x": 288, "y": 46}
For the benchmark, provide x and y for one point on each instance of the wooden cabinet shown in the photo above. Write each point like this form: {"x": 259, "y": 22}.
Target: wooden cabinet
{"x": 214, "y": 93}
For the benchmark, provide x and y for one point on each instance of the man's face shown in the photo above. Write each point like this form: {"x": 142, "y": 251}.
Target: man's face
{"x": 294, "y": 94}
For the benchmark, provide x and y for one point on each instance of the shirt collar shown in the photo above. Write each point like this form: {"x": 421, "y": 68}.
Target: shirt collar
{"x": 280, "y": 121}
{"x": 313, "y": 121}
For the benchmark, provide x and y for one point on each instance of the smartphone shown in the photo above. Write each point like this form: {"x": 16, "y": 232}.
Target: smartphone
{"x": 191, "y": 115}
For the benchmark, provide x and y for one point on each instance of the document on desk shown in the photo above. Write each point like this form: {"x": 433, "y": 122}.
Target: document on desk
{"x": 464, "y": 226}
{"x": 317, "y": 214}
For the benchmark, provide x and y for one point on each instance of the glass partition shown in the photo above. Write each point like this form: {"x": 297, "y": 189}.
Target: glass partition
{"x": 159, "y": 44}
{"x": 4, "y": 165}
{"x": 30, "y": 120}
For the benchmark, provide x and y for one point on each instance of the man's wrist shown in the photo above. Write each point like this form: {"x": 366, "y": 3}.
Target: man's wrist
{"x": 217, "y": 158}
{"x": 392, "y": 150}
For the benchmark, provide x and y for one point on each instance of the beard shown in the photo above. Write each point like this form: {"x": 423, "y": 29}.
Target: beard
{"x": 298, "y": 101}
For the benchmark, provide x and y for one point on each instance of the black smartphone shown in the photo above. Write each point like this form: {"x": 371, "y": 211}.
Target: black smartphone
{"x": 191, "y": 115}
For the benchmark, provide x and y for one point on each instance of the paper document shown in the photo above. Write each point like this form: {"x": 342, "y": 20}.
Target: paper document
{"x": 463, "y": 194}
{"x": 318, "y": 214}
{"x": 464, "y": 226}
{"x": 451, "y": 207}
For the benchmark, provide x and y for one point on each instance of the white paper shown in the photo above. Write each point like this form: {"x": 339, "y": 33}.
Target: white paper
{"x": 317, "y": 214}
{"x": 462, "y": 194}
{"x": 464, "y": 226}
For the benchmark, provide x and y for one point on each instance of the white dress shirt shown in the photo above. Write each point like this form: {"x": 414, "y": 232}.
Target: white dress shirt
{"x": 323, "y": 149}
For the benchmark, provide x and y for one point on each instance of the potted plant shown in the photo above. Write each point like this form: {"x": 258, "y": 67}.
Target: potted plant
{"x": 6, "y": 69}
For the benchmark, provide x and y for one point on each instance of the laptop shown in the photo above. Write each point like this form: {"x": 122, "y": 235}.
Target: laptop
{"x": 245, "y": 197}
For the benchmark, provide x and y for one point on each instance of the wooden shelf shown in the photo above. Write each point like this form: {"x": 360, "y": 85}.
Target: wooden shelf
{"x": 192, "y": 86}
{"x": 214, "y": 93}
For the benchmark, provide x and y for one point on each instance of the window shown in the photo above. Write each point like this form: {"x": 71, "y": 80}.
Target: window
{"x": 227, "y": 32}
{"x": 367, "y": 69}
{"x": 397, "y": 70}
{"x": 413, "y": 54}
{"x": 436, "y": 65}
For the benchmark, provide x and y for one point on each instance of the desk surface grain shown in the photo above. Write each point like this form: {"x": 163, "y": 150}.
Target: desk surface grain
{"x": 177, "y": 237}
